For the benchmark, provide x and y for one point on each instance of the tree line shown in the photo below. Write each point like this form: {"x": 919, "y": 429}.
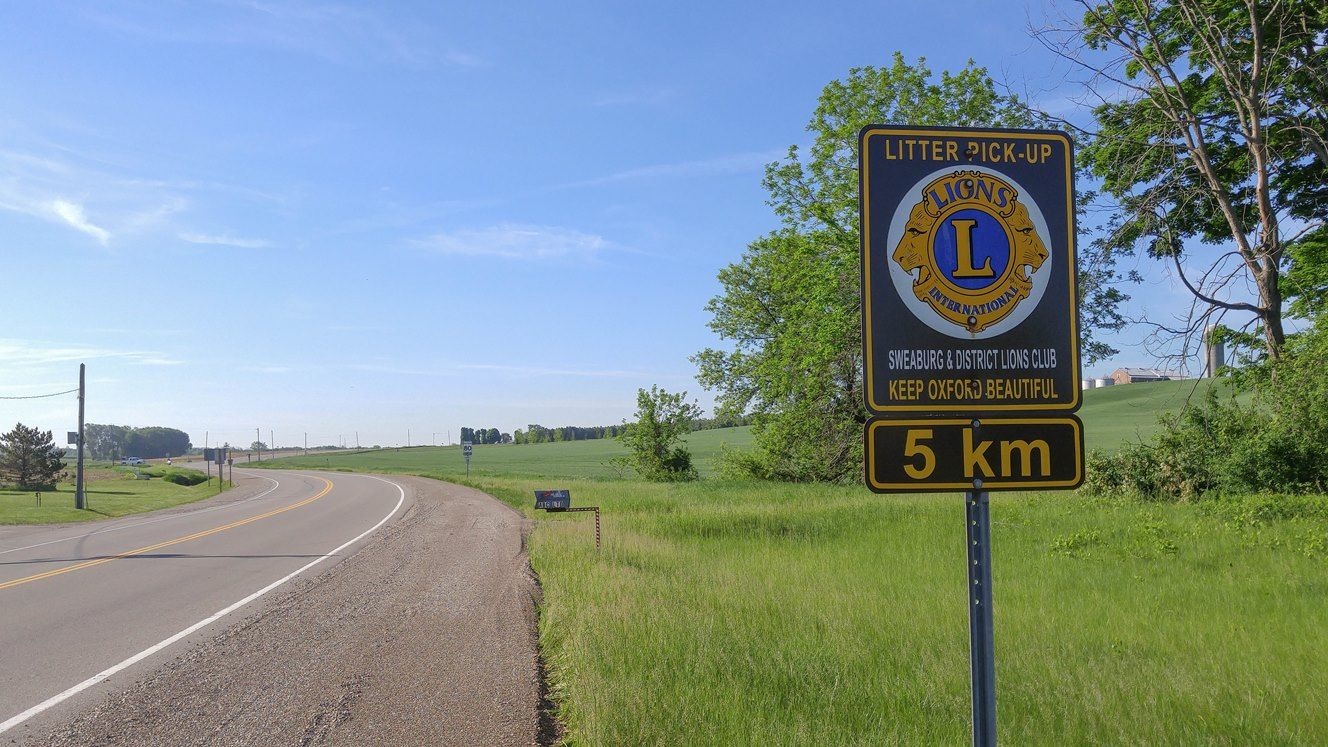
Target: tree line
{"x": 538, "y": 434}
{"x": 485, "y": 436}
{"x": 118, "y": 441}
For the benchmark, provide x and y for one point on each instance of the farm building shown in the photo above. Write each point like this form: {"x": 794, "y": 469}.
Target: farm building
{"x": 1142, "y": 375}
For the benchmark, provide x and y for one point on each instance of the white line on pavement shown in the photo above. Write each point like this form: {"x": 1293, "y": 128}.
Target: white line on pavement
{"x": 145, "y": 653}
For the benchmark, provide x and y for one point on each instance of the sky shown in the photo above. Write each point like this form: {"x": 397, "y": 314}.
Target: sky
{"x": 389, "y": 220}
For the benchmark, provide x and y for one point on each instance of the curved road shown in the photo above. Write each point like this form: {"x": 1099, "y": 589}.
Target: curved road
{"x": 81, "y": 604}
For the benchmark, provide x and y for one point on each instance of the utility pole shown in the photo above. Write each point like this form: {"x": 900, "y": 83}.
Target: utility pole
{"x": 80, "y": 500}
{"x": 407, "y": 438}
{"x": 271, "y": 441}
{"x": 357, "y": 439}
{"x": 306, "y": 443}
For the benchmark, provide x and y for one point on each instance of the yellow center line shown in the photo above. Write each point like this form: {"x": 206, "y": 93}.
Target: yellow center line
{"x": 167, "y": 543}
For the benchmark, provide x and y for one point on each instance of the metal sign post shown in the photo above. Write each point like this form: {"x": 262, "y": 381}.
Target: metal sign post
{"x": 466, "y": 448}
{"x": 981, "y": 632}
{"x": 970, "y": 332}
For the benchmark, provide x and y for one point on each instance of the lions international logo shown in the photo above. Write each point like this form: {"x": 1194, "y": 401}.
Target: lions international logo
{"x": 971, "y": 250}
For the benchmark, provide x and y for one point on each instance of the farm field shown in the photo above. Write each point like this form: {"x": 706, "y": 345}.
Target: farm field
{"x": 1111, "y": 417}
{"x": 110, "y": 493}
{"x": 752, "y": 613}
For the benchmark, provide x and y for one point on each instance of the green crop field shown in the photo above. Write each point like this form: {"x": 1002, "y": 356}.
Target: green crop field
{"x": 563, "y": 459}
{"x": 110, "y": 492}
{"x": 1111, "y": 416}
{"x": 760, "y": 613}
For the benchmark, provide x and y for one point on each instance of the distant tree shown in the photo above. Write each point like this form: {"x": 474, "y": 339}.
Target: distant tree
{"x": 505, "y": 438}
{"x": 652, "y": 441}
{"x": 258, "y": 446}
{"x": 105, "y": 441}
{"x": 29, "y": 458}
{"x": 115, "y": 441}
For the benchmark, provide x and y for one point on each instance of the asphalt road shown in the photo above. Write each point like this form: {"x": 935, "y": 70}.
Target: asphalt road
{"x": 87, "y": 609}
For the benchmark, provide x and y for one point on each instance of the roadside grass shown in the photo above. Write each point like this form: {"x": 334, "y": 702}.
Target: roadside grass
{"x": 745, "y": 613}
{"x": 110, "y": 492}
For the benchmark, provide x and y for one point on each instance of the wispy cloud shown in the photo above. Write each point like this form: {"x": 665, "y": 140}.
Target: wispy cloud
{"x": 732, "y": 164}
{"x": 463, "y": 59}
{"x": 595, "y": 373}
{"x": 335, "y": 32}
{"x": 516, "y": 241}
{"x": 106, "y": 205}
{"x": 25, "y": 354}
{"x": 225, "y": 240}
{"x": 72, "y": 213}
{"x": 644, "y": 97}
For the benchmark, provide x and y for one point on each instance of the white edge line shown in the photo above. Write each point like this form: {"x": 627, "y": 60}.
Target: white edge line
{"x": 275, "y": 485}
{"x": 145, "y": 653}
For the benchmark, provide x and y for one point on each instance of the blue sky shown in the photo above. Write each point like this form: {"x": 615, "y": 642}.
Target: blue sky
{"x": 326, "y": 218}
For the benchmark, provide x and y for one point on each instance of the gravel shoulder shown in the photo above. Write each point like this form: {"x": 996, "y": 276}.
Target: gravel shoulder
{"x": 424, "y": 636}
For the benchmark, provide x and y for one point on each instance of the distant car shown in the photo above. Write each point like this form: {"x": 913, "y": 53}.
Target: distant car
{"x": 133, "y": 461}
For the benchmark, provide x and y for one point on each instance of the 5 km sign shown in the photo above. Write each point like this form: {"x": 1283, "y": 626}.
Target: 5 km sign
{"x": 968, "y": 308}
{"x": 951, "y": 453}
{"x": 968, "y": 277}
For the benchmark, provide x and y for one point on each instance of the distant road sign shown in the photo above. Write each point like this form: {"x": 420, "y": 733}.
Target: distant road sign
{"x": 932, "y": 454}
{"x": 968, "y": 270}
{"x": 209, "y": 455}
{"x": 467, "y": 447}
{"x": 553, "y": 500}
{"x": 72, "y": 437}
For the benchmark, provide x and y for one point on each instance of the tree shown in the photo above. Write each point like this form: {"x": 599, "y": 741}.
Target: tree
{"x": 653, "y": 440}
{"x": 258, "y": 446}
{"x": 114, "y": 441}
{"x": 29, "y": 458}
{"x": 791, "y": 306}
{"x": 1212, "y": 138}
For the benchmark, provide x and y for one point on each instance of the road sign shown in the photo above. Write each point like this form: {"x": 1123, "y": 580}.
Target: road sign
{"x": 209, "y": 455}
{"x": 467, "y": 448}
{"x": 71, "y": 437}
{"x": 553, "y": 500}
{"x": 968, "y": 270}
{"x": 933, "y": 454}
{"x": 220, "y": 455}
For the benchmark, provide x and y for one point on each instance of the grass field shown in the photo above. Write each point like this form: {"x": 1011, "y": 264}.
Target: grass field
{"x": 110, "y": 493}
{"x": 757, "y": 613}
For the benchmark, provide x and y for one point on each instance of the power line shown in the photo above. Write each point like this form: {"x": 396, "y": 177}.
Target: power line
{"x": 41, "y": 396}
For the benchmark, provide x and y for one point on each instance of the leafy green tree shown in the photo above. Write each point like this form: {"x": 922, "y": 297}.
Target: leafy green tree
{"x": 662, "y": 419}
{"x": 29, "y": 458}
{"x": 790, "y": 308}
{"x": 1213, "y": 142}
{"x": 258, "y": 446}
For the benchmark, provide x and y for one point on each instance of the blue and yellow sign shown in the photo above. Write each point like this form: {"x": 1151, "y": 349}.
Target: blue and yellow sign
{"x": 968, "y": 270}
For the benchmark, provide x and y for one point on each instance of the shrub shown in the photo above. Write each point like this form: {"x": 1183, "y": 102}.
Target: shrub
{"x": 1277, "y": 443}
